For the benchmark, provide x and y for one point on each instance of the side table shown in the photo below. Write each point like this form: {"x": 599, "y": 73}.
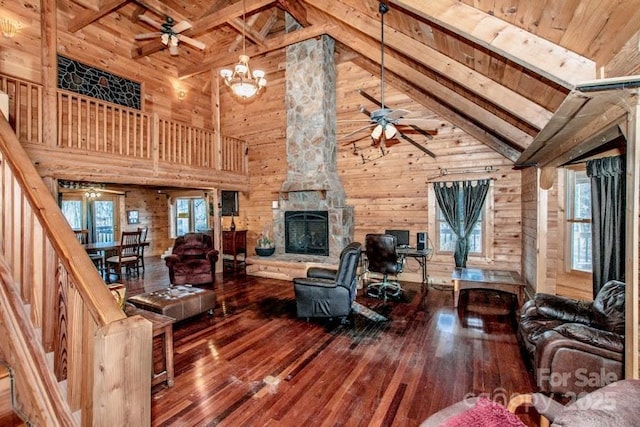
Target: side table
{"x": 163, "y": 328}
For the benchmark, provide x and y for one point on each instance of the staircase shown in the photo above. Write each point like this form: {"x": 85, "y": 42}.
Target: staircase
{"x": 64, "y": 336}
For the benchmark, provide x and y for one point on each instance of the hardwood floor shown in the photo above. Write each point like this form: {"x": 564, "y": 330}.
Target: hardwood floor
{"x": 253, "y": 363}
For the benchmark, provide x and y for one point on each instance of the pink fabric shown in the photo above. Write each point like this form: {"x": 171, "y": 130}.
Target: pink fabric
{"x": 485, "y": 413}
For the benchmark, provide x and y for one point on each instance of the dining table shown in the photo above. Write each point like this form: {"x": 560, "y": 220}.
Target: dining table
{"x": 106, "y": 246}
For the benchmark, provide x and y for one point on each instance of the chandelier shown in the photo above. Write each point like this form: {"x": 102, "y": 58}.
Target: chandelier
{"x": 241, "y": 80}
{"x": 92, "y": 193}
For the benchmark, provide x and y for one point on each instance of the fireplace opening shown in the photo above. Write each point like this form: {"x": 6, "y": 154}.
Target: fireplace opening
{"x": 306, "y": 232}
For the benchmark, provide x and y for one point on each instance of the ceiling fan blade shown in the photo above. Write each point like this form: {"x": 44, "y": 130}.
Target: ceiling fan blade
{"x": 145, "y": 18}
{"x": 347, "y": 135}
{"x": 427, "y": 123}
{"x": 423, "y": 132}
{"x": 365, "y": 111}
{"x": 147, "y": 36}
{"x": 418, "y": 146}
{"x": 181, "y": 26}
{"x": 173, "y": 50}
{"x": 193, "y": 42}
{"x": 397, "y": 114}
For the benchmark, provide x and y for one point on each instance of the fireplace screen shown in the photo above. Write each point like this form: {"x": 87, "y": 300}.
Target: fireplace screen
{"x": 307, "y": 232}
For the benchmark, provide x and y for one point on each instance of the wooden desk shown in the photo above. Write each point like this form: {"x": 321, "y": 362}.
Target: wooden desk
{"x": 234, "y": 243}
{"x": 163, "y": 328}
{"x": 476, "y": 278}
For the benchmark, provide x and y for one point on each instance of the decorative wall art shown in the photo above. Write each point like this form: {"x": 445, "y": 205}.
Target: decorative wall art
{"x": 86, "y": 80}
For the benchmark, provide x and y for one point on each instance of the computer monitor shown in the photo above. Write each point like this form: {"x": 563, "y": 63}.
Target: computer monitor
{"x": 402, "y": 237}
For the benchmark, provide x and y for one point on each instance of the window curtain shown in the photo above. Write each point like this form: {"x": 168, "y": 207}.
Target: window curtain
{"x": 608, "y": 200}
{"x": 461, "y": 204}
{"x": 91, "y": 214}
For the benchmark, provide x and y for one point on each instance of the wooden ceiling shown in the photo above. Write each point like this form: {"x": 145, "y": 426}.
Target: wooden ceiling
{"x": 498, "y": 69}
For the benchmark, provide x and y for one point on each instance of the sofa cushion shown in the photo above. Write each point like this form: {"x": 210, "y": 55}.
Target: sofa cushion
{"x": 608, "y": 307}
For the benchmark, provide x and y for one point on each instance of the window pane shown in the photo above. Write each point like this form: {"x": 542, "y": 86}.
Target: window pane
{"x": 72, "y": 211}
{"x": 182, "y": 216}
{"x": 581, "y": 246}
{"x": 582, "y": 197}
{"x": 200, "y": 214}
{"x": 104, "y": 220}
{"x": 447, "y": 238}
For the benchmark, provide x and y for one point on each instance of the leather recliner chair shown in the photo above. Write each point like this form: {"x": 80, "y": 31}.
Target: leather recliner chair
{"x": 327, "y": 292}
{"x": 575, "y": 346}
{"x": 192, "y": 260}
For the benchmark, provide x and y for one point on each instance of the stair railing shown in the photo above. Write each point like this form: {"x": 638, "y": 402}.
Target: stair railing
{"x": 72, "y": 348}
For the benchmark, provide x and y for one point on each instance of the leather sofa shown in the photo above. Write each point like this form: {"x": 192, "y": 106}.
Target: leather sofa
{"x": 192, "y": 260}
{"x": 575, "y": 346}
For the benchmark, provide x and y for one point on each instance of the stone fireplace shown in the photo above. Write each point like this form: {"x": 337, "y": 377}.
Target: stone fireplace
{"x": 312, "y": 182}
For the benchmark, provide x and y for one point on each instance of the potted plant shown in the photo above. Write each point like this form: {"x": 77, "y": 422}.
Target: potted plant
{"x": 265, "y": 246}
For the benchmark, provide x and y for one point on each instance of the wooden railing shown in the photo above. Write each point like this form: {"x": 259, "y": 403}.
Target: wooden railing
{"x": 55, "y": 302}
{"x": 95, "y": 126}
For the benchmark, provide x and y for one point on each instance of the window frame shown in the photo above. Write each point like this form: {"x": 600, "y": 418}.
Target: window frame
{"x": 570, "y": 219}
{"x": 192, "y": 220}
{"x": 486, "y": 230}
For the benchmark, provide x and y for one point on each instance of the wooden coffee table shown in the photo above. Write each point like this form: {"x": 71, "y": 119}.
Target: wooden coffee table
{"x": 496, "y": 280}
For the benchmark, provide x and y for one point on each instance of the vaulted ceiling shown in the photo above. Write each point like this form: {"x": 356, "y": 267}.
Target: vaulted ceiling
{"x": 498, "y": 69}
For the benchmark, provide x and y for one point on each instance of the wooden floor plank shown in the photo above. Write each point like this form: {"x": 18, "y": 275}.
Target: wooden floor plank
{"x": 427, "y": 356}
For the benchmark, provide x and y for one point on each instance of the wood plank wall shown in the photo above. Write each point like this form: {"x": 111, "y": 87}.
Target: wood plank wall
{"x": 391, "y": 191}
{"x": 386, "y": 192}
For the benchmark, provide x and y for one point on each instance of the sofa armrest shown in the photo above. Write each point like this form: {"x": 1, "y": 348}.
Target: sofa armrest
{"x": 321, "y": 283}
{"x": 212, "y": 255}
{"x": 322, "y": 273}
{"x": 556, "y": 307}
{"x": 592, "y": 336}
{"x": 171, "y": 260}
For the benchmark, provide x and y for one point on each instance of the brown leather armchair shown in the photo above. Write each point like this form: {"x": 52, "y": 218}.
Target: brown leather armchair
{"x": 193, "y": 260}
{"x": 575, "y": 346}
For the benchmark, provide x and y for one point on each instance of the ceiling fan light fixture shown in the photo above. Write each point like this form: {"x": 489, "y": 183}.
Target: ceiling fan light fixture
{"x": 164, "y": 38}
{"x": 390, "y": 131}
{"x": 377, "y": 132}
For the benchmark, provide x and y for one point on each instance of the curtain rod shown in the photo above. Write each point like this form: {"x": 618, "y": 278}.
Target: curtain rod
{"x": 457, "y": 171}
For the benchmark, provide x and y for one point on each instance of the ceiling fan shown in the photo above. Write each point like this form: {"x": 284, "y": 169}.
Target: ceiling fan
{"x": 169, "y": 33}
{"x": 384, "y": 121}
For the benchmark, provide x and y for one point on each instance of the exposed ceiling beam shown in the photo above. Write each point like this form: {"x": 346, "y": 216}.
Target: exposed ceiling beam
{"x": 369, "y": 49}
{"x": 541, "y": 56}
{"x": 296, "y": 10}
{"x": 253, "y": 35}
{"x": 89, "y": 16}
{"x": 161, "y": 9}
{"x": 497, "y": 94}
{"x": 273, "y": 43}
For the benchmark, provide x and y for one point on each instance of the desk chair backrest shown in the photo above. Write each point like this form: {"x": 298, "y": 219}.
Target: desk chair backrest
{"x": 381, "y": 254}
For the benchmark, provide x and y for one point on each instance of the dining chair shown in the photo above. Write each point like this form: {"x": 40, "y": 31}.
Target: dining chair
{"x": 97, "y": 257}
{"x": 127, "y": 255}
{"x": 143, "y": 238}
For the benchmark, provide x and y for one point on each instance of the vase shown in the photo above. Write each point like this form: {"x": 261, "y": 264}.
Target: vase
{"x": 265, "y": 251}
{"x": 233, "y": 224}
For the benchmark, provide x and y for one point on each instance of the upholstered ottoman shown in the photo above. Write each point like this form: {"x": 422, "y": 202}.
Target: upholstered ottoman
{"x": 179, "y": 302}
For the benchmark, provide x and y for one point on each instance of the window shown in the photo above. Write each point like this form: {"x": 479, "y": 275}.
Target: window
{"x": 96, "y": 215}
{"x": 447, "y": 238}
{"x": 72, "y": 211}
{"x": 579, "y": 220}
{"x": 190, "y": 215}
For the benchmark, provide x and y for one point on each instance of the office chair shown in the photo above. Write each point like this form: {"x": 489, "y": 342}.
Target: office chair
{"x": 383, "y": 258}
